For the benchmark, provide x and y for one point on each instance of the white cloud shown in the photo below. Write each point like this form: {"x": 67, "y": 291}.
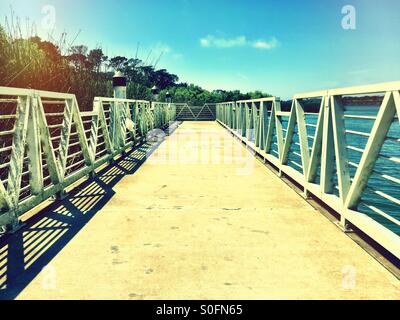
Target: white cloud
{"x": 239, "y": 41}
{"x": 265, "y": 45}
{"x": 212, "y": 41}
{"x": 204, "y": 42}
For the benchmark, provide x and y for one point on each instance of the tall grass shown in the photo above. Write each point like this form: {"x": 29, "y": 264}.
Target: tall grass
{"x": 28, "y": 62}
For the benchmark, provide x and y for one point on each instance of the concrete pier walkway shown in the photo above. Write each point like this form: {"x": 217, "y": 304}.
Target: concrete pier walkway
{"x": 201, "y": 218}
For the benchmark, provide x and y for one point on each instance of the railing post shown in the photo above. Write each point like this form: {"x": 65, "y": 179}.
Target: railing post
{"x": 34, "y": 150}
{"x": 278, "y": 129}
{"x": 119, "y": 85}
{"x": 95, "y": 129}
{"x": 234, "y": 115}
{"x": 341, "y": 155}
{"x": 289, "y": 133}
{"x": 316, "y": 152}
{"x": 263, "y": 124}
{"x": 303, "y": 135}
{"x": 328, "y": 152}
{"x": 243, "y": 119}
{"x": 117, "y": 114}
{"x": 271, "y": 126}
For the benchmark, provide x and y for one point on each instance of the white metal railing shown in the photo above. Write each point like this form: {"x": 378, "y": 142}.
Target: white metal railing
{"x": 193, "y": 113}
{"x": 313, "y": 147}
{"x": 47, "y": 143}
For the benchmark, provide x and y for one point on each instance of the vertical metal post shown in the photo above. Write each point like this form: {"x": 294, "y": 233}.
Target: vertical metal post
{"x": 34, "y": 150}
{"x": 119, "y": 86}
{"x": 328, "y": 152}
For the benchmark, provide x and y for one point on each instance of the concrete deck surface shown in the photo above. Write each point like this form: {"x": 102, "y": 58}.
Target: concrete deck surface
{"x": 202, "y": 219}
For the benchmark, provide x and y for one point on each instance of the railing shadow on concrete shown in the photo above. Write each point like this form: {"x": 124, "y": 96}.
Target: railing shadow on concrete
{"x": 25, "y": 253}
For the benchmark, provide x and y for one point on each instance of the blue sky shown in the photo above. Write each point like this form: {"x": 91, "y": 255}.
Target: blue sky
{"x": 281, "y": 47}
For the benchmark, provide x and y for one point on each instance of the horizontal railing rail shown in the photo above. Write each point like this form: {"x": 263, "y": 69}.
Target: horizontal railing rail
{"x": 47, "y": 143}
{"x": 346, "y": 155}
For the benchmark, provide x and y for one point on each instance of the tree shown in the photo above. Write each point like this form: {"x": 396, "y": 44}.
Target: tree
{"x": 163, "y": 79}
{"x": 117, "y": 63}
{"x": 131, "y": 70}
{"x": 195, "y": 95}
{"x": 51, "y": 50}
{"x": 78, "y": 57}
{"x": 96, "y": 58}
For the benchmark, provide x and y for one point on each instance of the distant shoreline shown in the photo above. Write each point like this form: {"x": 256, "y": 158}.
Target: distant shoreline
{"x": 312, "y": 105}
{"x": 363, "y": 101}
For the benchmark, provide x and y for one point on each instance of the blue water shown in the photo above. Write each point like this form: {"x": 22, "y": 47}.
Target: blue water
{"x": 383, "y": 166}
